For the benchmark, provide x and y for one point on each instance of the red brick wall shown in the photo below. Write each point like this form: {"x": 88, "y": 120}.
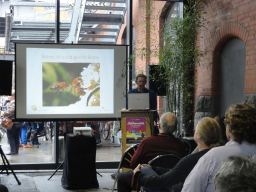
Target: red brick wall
{"x": 227, "y": 19}
{"x": 141, "y": 33}
{"x": 153, "y": 35}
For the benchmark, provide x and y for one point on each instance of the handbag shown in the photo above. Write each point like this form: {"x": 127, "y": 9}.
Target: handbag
{"x": 7, "y": 123}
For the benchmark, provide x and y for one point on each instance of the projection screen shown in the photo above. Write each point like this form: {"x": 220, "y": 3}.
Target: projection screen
{"x": 60, "y": 81}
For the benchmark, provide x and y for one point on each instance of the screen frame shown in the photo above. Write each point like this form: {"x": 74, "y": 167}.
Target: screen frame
{"x": 60, "y": 117}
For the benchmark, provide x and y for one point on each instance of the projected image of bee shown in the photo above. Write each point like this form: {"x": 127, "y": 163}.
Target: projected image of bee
{"x": 76, "y": 86}
{"x": 59, "y": 87}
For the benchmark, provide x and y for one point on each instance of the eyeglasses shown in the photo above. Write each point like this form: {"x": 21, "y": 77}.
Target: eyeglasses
{"x": 142, "y": 81}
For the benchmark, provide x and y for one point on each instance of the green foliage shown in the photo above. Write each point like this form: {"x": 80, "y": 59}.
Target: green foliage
{"x": 178, "y": 57}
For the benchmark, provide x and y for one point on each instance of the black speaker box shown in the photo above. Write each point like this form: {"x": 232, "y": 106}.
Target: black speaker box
{"x": 79, "y": 168}
{"x": 157, "y": 82}
{"x": 5, "y": 77}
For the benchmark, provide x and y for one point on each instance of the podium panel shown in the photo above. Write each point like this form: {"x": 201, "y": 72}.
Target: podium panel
{"x": 79, "y": 169}
{"x": 135, "y": 126}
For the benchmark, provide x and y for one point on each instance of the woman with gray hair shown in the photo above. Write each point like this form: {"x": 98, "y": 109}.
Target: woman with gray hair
{"x": 236, "y": 174}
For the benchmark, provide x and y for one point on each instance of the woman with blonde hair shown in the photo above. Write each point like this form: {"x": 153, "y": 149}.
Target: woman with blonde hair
{"x": 207, "y": 135}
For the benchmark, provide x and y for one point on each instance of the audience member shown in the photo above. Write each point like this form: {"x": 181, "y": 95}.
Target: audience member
{"x": 12, "y": 134}
{"x": 223, "y": 139}
{"x": 163, "y": 143}
{"x": 150, "y": 147}
{"x": 236, "y": 174}
{"x": 207, "y": 135}
{"x": 240, "y": 120}
{"x": 220, "y": 120}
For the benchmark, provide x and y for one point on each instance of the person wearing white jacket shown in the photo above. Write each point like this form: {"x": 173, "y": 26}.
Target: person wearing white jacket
{"x": 240, "y": 121}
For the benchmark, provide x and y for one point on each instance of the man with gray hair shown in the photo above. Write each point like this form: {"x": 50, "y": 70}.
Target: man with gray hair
{"x": 150, "y": 147}
{"x": 168, "y": 123}
{"x": 163, "y": 143}
{"x": 236, "y": 173}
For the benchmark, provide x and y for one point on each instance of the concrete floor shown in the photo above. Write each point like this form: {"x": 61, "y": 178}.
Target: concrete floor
{"x": 106, "y": 151}
{"x": 38, "y": 182}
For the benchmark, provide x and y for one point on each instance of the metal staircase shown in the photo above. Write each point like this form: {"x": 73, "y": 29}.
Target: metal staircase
{"x": 106, "y": 21}
{"x": 86, "y": 22}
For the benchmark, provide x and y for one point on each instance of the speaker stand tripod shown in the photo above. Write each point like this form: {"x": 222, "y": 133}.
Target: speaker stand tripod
{"x": 63, "y": 162}
{"x": 60, "y": 167}
{"x": 7, "y": 165}
{"x": 56, "y": 170}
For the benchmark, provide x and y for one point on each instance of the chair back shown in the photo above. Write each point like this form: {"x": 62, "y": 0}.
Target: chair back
{"x": 127, "y": 156}
{"x": 188, "y": 147}
{"x": 124, "y": 162}
{"x": 165, "y": 161}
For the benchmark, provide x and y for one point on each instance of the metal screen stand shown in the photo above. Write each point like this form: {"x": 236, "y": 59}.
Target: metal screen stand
{"x": 7, "y": 165}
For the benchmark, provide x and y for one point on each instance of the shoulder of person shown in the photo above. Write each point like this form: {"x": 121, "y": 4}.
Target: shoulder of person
{"x": 149, "y": 90}
{"x": 132, "y": 91}
{"x": 152, "y": 138}
{"x": 147, "y": 139}
{"x": 198, "y": 153}
{"x": 212, "y": 156}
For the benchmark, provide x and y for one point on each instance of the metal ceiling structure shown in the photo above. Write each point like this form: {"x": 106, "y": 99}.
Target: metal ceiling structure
{"x": 85, "y": 22}
{"x": 2, "y": 26}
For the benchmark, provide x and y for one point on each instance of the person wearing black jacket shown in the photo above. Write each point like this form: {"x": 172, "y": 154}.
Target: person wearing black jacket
{"x": 160, "y": 179}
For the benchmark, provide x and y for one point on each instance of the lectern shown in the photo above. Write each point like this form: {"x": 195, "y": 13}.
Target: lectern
{"x": 135, "y": 126}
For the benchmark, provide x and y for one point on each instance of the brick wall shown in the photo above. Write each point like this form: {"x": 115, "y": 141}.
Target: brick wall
{"x": 142, "y": 34}
{"x": 148, "y": 38}
{"x": 227, "y": 19}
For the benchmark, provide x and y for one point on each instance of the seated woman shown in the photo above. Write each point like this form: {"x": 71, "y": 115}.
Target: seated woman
{"x": 207, "y": 135}
{"x": 223, "y": 138}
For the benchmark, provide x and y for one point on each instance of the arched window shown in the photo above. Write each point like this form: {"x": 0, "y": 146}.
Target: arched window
{"x": 232, "y": 74}
{"x": 175, "y": 10}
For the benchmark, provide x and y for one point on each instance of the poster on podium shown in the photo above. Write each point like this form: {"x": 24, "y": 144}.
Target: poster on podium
{"x": 135, "y": 130}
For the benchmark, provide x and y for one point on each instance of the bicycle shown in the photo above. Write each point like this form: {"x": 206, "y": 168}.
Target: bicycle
{"x": 48, "y": 130}
{"x": 105, "y": 129}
